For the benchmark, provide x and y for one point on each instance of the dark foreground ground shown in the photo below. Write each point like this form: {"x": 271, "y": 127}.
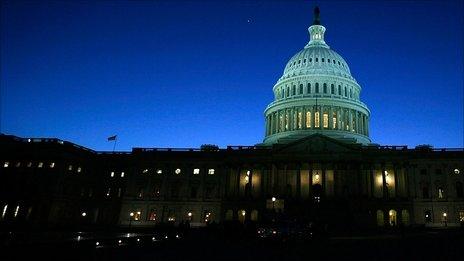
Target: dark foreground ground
{"x": 200, "y": 245}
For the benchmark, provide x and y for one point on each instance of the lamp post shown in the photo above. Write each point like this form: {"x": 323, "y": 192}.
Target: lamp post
{"x": 273, "y": 199}
{"x": 131, "y": 215}
{"x": 445, "y": 219}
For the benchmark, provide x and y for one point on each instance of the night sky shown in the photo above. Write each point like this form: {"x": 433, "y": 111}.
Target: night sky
{"x": 186, "y": 73}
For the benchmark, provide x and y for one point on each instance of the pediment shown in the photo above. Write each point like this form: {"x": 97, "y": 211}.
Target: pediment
{"x": 316, "y": 143}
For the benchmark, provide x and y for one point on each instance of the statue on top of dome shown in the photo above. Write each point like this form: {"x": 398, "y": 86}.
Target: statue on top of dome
{"x": 317, "y": 19}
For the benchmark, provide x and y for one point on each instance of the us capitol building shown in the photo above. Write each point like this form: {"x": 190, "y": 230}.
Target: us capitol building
{"x": 316, "y": 162}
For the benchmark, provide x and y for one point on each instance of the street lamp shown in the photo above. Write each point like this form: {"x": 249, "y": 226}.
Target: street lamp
{"x": 445, "y": 219}
{"x": 131, "y": 215}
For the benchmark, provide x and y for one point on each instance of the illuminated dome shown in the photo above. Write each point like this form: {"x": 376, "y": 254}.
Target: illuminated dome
{"x": 317, "y": 94}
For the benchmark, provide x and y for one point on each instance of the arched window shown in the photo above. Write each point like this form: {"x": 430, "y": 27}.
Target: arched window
{"x": 288, "y": 92}
{"x": 322, "y": 59}
{"x": 459, "y": 190}
{"x": 392, "y": 217}
{"x": 241, "y": 215}
{"x": 301, "y": 89}
{"x": 304, "y": 61}
{"x": 293, "y": 90}
{"x": 325, "y": 87}
{"x": 405, "y": 217}
{"x": 328, "y": 60}
{"x": 317, "y": 88}
{"x": 346, "y": 93}
{"x": 310, "y": 60}
{"x": 282, "y": 93}
{"x": 308, "y": 88}
{"x": 351, "y": 94}
{"x": 380, "y": 220}
{"x": 254, "y": 215}
{"x": 338, "y": 62}
{"x": 332, "y": 89}
{"x": 339, "y": 90}
{"x": 316, "y": 60}
{"x": 299, "y": 61}
{"x": 333, "y": 61}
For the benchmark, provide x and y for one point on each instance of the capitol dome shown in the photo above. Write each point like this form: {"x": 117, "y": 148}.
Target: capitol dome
{"x": 317, "y": 94}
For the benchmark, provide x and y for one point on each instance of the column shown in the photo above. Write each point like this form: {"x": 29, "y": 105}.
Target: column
{"x": 330, "y": 117}
{"x": 303, "y": 118}
{"x": 384, "y": 182}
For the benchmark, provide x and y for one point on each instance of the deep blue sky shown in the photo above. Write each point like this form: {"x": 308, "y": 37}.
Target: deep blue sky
{"x": 181, "y": 74}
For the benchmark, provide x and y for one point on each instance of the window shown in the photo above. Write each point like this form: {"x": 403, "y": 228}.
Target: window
{"x": 211, "y": 171}
{"x": 425, "y": 191}
{"x": 459, "y": 190}
{"x": 159, "y": 171}
{"x": 6, "y": 164}
{"x": 4, "y": 211}
{"x": 122, "y": 174}
{"x": 119, "y": 192}
{"x": 333, "y": 61}
{"x": 461, "y": 216}
{"x": 40, "y": 165}
{"x": 456, "y": 171}
{"x": 286, "y": 121}
{"x": 300, "y": 119}
{"x": 380, "y": 220}
{"x": 70, "y": 167}
{"x": 152, "y": 215}
{"x": 140, "y": 195}
{"x": 145, "y": 171}
{"x": 308, "y": 119}
{"x": 441, "y": 192}
{"x": 332, "y": 89}
{"x": 293, "y": 90}
{"x": 177, "y": 171}
{"x": 346, "y": 93}
{"x": 316, "y": 119}
{"x": 16, "y": 211}
{"x": 301, "y": 89}
{"x": 351, "y": 94}
{"x": 30, "y": 164}
{"x": 108, "y": 192}
{"x": 328, "y": 60}
{"x": 338, "y": 62}
{"x": 18, "y": 164}
{"x": 310, "y": 59}
{"x": 339, "y": 90}
{"x": 112, "y": 174}
{"x": 325, "y": 121}
{"x": 304, "y": 61}
{"x": 52, "y": 165}
{"x": 309, "y": 88}
{"x": 299, "y": 61}
{"x": 317, "y": 88}
{"x": 428, "y": 216}
{"x": 322, "y": 59}
{"x": 79, "y": 169}
{"x": 334, "y": 120}
{"x": 316, "y": 59}
{"x": 138, "y": 215}
{"x": 325, "y": 87}
{"x": 196, "y": 171}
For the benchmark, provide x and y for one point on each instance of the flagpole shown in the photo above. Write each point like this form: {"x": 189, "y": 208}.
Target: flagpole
{"x": 114, "y": 145}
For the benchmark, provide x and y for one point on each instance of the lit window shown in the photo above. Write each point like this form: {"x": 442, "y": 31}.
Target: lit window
{"x": 196, "y": 171}
{"x": 159, "y": 171}
{"x": 316, "y": 119}
{"x": 52, "y": 165}
{"x": 177, "y": 171}
{"x": 325, "y": 120}
{"x": 6, "y": 164}
{"x": 119, "y": 192}
{"x": 456, "y": 171}
{"x": 138, "y": 215}
{"x": 308, "y": 119}
{"x": 108, "y": 192}
{"x": 441, "y": 193}
{"x": 286, "y": 121}
{"x": 79, "y": 169}
{"x": 211, "y": 171}
{"x": 461, "y": 216}
{"x": 152, "y": 215}
{"x": 145, "y": 171}
{"x": 40, "y": 165}
{"x": 4, "y": 211}
{"x": 18, "y": 164}
{"x": 334, "y": 121}
{"x": 300, "y": 119}
{"x": 29, "y": 164}
{"x": 112, "y": 174}
{"x": 70, "y": 167}
{"x": 16, "y": 211}
{"x": 122, "y": 174}
{"x": 140, "y": 195}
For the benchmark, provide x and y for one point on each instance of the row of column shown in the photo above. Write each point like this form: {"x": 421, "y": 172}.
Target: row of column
{"x": 317, "y": 117}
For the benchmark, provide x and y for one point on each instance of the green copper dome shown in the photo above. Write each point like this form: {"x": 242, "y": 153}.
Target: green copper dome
{"x": 316, "y": 94}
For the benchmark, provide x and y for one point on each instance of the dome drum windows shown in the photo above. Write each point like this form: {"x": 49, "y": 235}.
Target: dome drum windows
{"x": 325, "y": 87}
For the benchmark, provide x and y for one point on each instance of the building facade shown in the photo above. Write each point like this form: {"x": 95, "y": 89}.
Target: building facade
{"x": 316, "y": 162}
